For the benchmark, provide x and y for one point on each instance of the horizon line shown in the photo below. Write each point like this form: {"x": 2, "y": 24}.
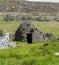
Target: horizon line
{"x": 42, "y": 1}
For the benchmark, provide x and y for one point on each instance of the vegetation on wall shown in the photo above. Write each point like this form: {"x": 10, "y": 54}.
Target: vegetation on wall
{"x": 33, "y": 29}
{"x": 21, "y": 31}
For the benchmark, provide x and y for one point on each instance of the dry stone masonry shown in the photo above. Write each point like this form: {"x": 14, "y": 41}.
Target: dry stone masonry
{"x": 29, "y": 32}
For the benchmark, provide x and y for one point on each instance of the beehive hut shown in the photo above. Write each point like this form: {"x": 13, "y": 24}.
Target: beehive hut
{"x": 29, "y": 32}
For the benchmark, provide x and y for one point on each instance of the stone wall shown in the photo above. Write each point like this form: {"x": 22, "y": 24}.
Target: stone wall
{"x": 38, "y": 37}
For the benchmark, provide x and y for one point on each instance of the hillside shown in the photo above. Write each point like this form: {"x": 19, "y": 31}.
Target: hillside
{"x": 12, "y": 6}
{"x": 41, "y": 7}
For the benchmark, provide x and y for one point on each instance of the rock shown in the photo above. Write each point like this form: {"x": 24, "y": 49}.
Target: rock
{"x": 56, "y": 54}
{"x": 12, "y": 44}
{"x": 49, "y": 36}
{"x": 4, "y": 42}
{"x": 9, "y": 17}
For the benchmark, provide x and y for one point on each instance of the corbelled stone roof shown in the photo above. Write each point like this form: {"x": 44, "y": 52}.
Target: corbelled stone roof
{"x": 28, "y": 26}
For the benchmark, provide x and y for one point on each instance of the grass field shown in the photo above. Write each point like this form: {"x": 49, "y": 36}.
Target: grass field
{"x": 31, "y": 54}
{"x": 34, "y": 54}
{"x": 9, "y": 26}
{"x": 46, "y": 27}
{"x": 49, "y": 27}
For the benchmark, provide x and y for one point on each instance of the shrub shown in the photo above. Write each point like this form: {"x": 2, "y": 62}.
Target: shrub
{"x": 33, "y": 29}
{"x": 21, "y": 31}
{"x": 1, "y": 33}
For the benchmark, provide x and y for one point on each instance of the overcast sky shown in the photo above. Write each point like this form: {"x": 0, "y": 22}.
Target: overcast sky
{"x": 45, "y": 0}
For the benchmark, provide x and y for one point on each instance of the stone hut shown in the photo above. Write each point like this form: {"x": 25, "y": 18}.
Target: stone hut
{"x": 29, "y": 32}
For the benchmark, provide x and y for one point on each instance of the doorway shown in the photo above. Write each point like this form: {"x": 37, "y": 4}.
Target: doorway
{"x": 29, "y": 38}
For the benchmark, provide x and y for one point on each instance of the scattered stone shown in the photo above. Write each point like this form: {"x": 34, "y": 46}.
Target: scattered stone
{"x": 9, "y": 17}
{"x": 50, "y": 36}
{"x": 12, "y": 44}
{"x": 4, "y": 42}
{"x": 56, "y": 54}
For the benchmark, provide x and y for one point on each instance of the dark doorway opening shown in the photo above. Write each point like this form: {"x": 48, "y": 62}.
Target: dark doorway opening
{"x": 29, "y": 38}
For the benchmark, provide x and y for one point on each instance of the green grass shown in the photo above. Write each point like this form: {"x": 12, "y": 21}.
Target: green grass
{"x": 34, "y": 54}
{"x": 9, "y": 26}
{"x": 49, "y": 27}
